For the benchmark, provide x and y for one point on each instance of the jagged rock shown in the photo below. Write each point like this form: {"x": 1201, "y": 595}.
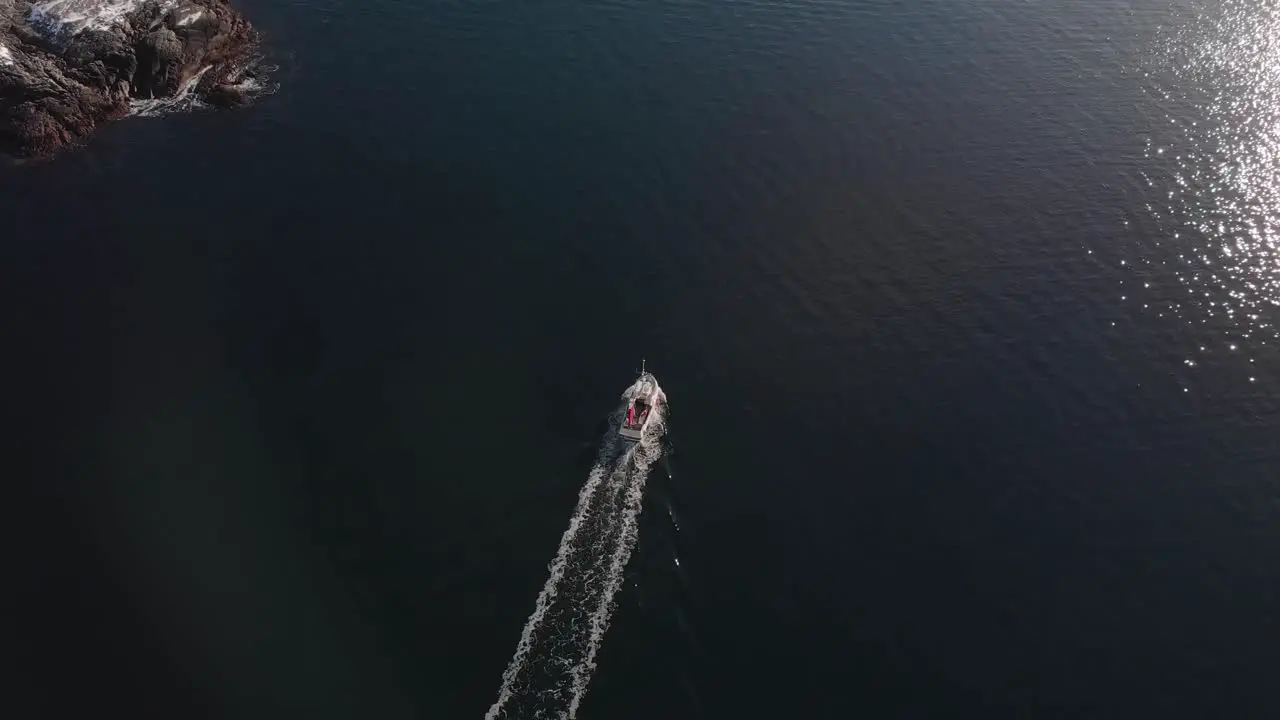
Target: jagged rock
{"x": 66, "y": 68}
{"x": 159, "y": 56}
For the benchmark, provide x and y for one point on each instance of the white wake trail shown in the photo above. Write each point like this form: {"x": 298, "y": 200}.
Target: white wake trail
{"x": 556, "y": 656}
{"x": 628, "y": 534}
{"x": 602, "y": 469}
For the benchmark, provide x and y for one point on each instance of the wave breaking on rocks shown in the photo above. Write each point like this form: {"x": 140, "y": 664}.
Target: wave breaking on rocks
{"x": 68, "y": 66}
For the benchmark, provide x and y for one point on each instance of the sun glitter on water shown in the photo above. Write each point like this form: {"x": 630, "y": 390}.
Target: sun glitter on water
{"x": 1213, "y": 169}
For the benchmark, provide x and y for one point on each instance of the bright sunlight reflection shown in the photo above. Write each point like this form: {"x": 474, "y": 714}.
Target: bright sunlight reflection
{"x": 1221, "y": 213}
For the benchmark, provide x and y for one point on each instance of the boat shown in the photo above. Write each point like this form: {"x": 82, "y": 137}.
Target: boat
{"x": 644, "y": 397}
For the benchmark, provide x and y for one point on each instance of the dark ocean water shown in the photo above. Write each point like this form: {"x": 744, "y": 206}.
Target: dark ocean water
{"x": 967, "y": 313}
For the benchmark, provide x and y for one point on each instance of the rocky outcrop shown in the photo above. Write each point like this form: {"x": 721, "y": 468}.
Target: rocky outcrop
{"x": 68, "y": 66}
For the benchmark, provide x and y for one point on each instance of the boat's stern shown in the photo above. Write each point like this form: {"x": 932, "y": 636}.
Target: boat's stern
{"x": 631, "y": 433}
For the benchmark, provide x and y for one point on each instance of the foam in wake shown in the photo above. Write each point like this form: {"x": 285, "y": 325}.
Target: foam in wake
{"x": 556, "y": 655}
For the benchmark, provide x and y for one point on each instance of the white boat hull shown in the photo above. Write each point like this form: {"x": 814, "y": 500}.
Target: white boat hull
{"x": 644, "y": 402}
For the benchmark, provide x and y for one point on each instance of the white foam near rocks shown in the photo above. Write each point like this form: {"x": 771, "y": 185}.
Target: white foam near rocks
{"x": 181, "y": 100}
{"x": 6, "y": 57}
{"x": 189, "y": 16}
{"x": 74, "y": 16}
